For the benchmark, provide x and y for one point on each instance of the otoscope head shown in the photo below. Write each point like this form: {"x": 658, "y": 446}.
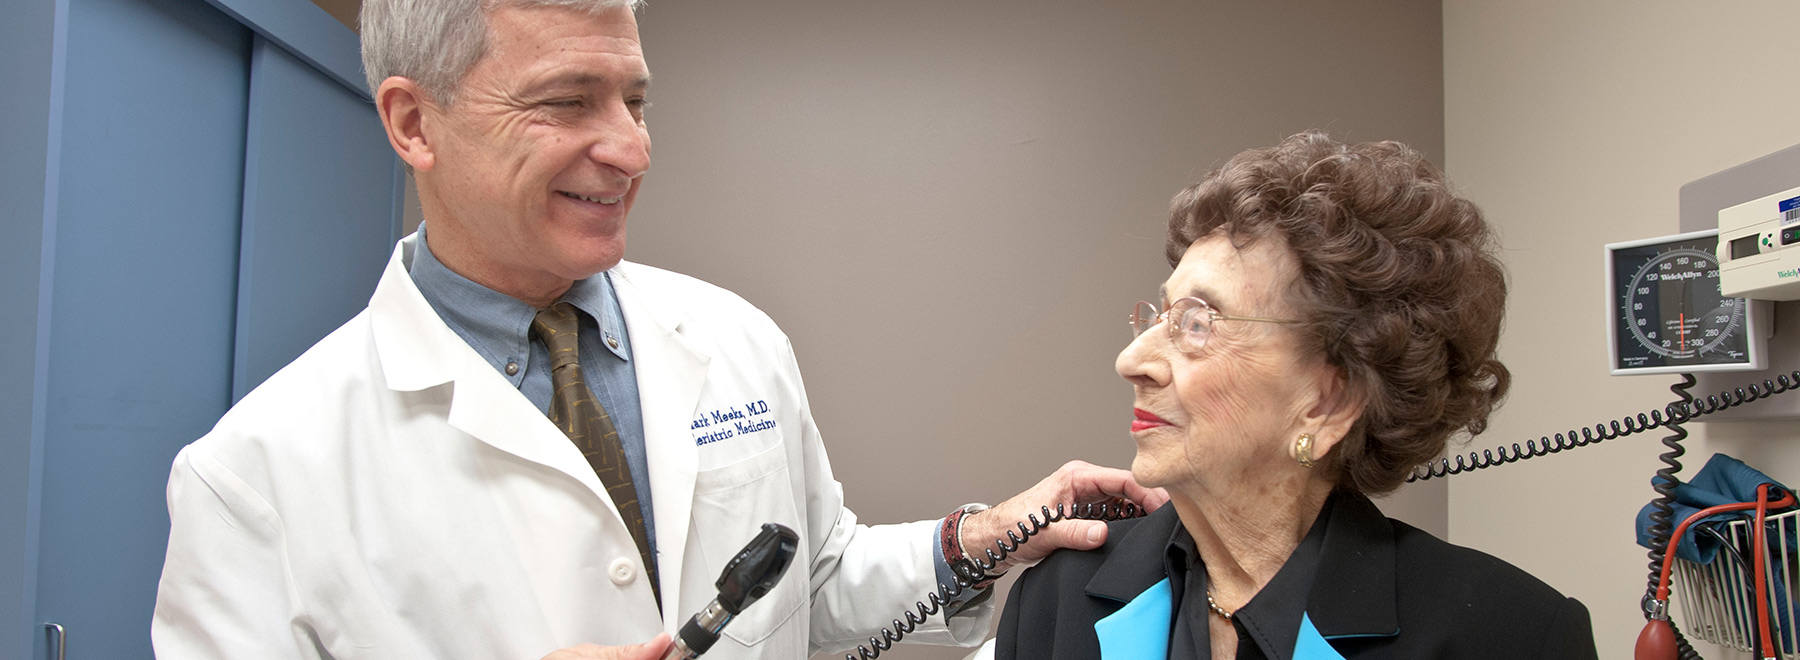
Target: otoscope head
{"x": 756, "y": 568}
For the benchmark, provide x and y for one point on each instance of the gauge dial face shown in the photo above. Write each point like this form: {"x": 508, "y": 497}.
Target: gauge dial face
{"x": 1668, "y": 309}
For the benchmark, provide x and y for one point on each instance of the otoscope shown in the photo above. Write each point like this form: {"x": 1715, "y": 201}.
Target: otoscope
{"x": 750, "y": 575}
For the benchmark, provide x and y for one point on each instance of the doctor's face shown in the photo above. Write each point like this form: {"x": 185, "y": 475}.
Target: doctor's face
{"x": 540, "y": 156}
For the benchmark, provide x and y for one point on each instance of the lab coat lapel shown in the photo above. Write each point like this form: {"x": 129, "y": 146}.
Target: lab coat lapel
{"x": 418, "y": 351}
{"x": 409, "y": 337}
{"x": 670, "y": 377}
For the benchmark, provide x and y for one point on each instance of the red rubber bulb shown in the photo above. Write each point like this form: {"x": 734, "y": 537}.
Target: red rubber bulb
{"x": 1656, "y": 642}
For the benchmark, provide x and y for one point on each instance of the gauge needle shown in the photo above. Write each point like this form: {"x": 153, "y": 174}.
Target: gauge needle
{"x": 1683, "y": 345}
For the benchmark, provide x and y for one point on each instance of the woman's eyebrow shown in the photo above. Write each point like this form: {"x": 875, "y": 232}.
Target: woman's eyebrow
{"x": 1196, "y": 291}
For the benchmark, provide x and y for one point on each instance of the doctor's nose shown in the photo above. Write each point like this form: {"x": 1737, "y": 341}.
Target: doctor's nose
{"x": 621, "y": 141}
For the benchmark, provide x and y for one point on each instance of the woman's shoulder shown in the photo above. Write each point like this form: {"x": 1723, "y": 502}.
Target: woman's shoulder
{"x": 1076, "y": 568}
{"x": 1478, "y": 601}
{"x": 1387, "y": 589}
{"x": 1427, "y": 562}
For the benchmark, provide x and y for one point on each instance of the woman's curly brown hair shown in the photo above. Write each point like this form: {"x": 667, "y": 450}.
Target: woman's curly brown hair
{"x": 1396, "y": 280}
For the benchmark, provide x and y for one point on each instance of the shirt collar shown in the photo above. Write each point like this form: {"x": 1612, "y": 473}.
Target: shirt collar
{"x": 497, "y": 325}
{"x": 596, "y": 296}
{"x": 1272, "y": 617}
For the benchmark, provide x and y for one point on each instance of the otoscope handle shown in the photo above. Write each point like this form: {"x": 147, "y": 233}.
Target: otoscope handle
{"x": 699, "y": 633}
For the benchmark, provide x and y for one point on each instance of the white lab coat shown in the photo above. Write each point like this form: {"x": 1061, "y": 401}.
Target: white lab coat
{"x": 389, "y": 495}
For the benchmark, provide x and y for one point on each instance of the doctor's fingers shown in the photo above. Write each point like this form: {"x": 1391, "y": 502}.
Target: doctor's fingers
{"x": 1080, "y": 482}
{"x": 1093, "y": 483}
{"x": 1076, "y": 482}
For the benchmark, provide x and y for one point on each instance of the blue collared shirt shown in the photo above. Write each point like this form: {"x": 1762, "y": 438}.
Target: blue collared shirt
{"x": 498, "y": 327}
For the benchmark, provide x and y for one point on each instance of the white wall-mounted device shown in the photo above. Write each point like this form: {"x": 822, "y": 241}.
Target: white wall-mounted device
{"x": 1759, "y": 248}
{"x": 1758, "y": 187}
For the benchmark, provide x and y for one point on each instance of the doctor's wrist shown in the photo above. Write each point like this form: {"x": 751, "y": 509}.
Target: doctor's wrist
{"x": 956, "y": 553}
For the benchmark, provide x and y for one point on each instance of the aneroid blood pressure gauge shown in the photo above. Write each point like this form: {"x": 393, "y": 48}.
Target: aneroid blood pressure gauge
{"x": 1667, "y": 314}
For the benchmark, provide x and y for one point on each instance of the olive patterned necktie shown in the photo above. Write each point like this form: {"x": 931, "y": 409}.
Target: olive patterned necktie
{"x": 574, "y": 409}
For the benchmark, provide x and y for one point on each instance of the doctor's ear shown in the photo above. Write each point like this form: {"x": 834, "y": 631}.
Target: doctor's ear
{"x": 404, "y": 107}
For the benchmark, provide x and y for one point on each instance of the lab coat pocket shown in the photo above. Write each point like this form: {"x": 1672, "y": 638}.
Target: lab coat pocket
{"x": 731, "y": 502}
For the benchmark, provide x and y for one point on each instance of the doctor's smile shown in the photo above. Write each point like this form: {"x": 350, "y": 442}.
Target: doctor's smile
{"x": 592, "y": 199}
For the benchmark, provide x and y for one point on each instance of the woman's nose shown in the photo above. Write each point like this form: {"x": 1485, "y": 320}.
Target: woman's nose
{"x": 1141, "y": 362}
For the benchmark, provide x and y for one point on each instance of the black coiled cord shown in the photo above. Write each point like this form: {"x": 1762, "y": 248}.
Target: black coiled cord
{"x": 1661, "y": 511}
{"x": 973, "y": 570}
{"x": 1664, "y": 485}
{"x": 1676, "y": 412}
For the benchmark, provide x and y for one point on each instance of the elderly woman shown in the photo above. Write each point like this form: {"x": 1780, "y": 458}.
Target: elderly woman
{"x": 1330, "y": 323}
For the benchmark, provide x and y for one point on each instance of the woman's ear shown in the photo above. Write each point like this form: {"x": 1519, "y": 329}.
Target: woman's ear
{"x": 403, "y": 105}
{"x": 1337, "y": 407}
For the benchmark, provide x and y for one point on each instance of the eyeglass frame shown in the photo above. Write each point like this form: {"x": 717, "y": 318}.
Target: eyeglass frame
{"x": 1212, "y": 315}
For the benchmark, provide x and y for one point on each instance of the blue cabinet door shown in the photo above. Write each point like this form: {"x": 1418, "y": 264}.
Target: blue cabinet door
{"x": 320, "y": 215}
{"x": 142, "y": 297}
{"x": 217, "y": 196}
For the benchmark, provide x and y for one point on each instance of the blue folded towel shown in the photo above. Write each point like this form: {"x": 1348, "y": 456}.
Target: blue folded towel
{"x": 1724, "y": 480}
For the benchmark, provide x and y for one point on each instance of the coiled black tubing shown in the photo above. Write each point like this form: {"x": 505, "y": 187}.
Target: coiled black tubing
{"x": 1660, "y": 508}
{"x": 968, "y": 573}
{"x": 1677, "y": 412}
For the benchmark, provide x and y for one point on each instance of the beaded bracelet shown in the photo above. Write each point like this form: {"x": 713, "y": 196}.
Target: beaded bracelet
{"x": 951, "y": 541}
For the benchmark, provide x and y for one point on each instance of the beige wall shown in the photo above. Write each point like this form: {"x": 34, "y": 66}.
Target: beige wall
{"x": 1574, "y": 124}
{"x": 950, "y": 206}
{"x": 342, "y": 10}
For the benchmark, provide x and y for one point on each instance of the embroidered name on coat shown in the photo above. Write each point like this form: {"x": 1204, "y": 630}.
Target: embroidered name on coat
{"x": 732, "y": 421}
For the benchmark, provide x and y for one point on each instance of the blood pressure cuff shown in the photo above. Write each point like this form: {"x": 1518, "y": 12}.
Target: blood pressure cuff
{"x": 1724, "y": 480}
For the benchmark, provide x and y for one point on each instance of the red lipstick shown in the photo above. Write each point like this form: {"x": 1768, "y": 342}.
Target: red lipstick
{"x": 1146, "y": 420}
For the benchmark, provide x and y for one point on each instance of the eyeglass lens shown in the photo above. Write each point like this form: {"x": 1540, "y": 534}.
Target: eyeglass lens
{"x": 1142, "y": 317}
{"x": 1190, "y": 322}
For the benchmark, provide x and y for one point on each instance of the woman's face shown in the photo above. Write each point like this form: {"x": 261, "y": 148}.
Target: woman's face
{"x": 1224, "y": 417}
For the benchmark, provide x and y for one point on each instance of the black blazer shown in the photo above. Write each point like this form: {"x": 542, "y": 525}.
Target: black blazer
{"x": 1383, "y": 589}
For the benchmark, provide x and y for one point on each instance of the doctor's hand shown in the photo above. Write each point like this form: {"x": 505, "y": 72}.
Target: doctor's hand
{"x": 651, "y": 650}
{"x": 1076, "y": 482}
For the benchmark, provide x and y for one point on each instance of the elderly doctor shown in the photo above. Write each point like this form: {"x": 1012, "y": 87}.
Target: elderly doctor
{"x": 525, "y": 447}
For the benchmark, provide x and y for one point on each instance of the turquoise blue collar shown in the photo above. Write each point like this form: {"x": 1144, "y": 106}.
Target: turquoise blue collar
{"x": 1141, "y": 629}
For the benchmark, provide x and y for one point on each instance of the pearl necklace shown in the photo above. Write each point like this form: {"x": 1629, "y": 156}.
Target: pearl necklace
{"x": 1214, "y": 606}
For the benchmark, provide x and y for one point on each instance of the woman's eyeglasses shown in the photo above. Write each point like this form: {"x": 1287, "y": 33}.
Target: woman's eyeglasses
{"x": 1190, "y": 321}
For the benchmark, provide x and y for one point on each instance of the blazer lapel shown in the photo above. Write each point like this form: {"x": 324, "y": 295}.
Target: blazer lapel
{"x": 1136, "y": 562}
{"x": 1353, "y": 594}
{"x": 670, "y": 376}
{"x": 1133, "y": 573}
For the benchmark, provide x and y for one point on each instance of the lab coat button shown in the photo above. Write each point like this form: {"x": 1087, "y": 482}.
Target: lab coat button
{"x": 622, "y": 571}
